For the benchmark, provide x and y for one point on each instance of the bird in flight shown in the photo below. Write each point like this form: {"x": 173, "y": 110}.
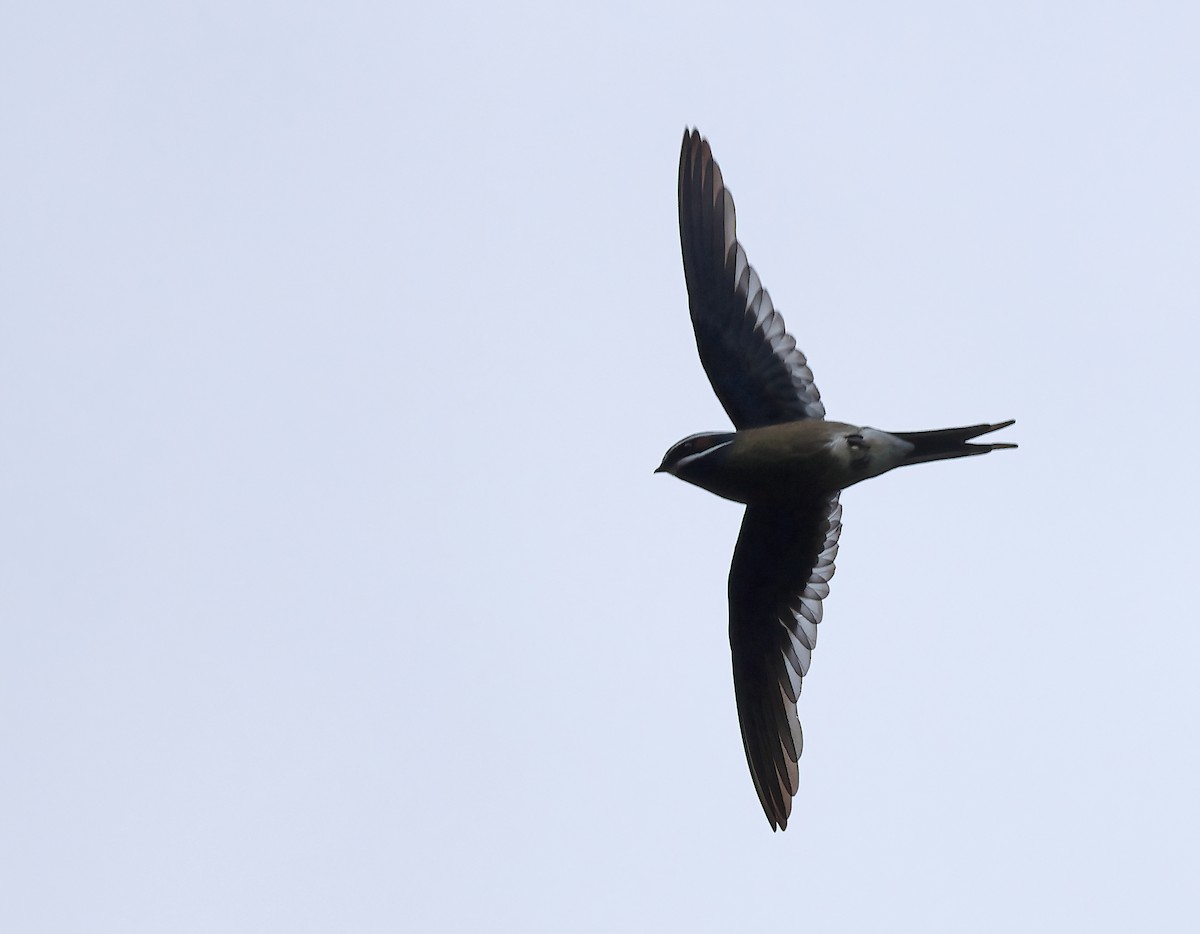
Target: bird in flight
{"x": 785, "y": 462}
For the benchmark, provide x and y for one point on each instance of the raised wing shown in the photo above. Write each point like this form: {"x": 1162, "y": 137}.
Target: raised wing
{"x": 755, "y": 368}
{"x": 780, "y": 574}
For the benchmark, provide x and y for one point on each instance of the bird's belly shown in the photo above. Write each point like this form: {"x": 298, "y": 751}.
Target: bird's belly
{"x": 783, "y": 480}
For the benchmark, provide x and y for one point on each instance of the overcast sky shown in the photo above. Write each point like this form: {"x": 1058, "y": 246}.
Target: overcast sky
{"x": 338, "y": 343}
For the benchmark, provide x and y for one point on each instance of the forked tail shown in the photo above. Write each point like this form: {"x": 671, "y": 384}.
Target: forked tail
{"x": 950, "y": 442}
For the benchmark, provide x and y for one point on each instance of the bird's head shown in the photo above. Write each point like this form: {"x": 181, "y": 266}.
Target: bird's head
{"x": 688, "y": 458}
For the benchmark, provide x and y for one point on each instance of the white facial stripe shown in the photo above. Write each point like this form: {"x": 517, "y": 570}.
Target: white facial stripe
{"x": 699, "y": 454}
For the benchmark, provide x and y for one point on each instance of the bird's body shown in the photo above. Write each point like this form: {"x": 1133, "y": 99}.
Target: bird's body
{"x": 785, "y": 461}
{"x": 811, "y": 457}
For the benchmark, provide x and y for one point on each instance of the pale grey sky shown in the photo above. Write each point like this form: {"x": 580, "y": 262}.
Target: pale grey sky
{"x": 339, "y": 343}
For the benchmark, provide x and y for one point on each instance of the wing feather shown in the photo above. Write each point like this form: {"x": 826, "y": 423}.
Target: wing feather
{"x": 781, "y": 569}
{"x": 759, "y": 374}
